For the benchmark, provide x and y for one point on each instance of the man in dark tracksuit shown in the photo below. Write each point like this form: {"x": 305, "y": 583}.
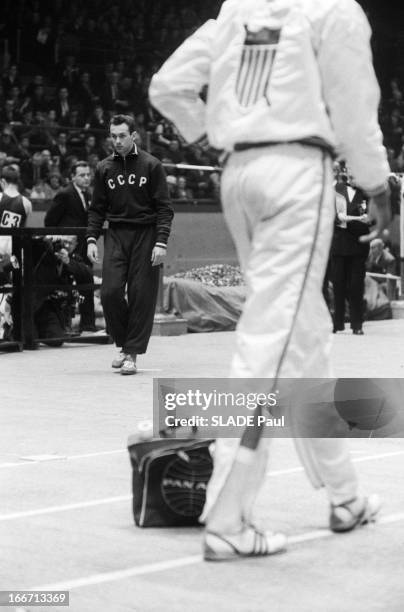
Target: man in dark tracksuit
{"x": 130, "y": 191}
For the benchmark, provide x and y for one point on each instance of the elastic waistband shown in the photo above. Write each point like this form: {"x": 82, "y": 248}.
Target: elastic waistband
{"x": 131, "y": 225}
{"x": 309, "y": 142}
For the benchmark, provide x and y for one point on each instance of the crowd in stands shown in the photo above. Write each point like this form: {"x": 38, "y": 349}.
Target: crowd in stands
{"x": 80, "y": 64}
{"x": 392, "y": 122}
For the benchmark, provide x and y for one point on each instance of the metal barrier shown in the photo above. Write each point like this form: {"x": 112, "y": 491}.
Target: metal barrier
{"x": 23, "y": 290}
{"x": 393, "y": 284}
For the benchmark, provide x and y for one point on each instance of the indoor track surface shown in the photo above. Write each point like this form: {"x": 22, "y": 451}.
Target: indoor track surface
{"x": 65, "y": 508}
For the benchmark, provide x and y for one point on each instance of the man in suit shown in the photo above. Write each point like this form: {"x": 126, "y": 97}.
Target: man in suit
{"x": 63, "y": 104}
{"x": 111, "y": 92}
{"x": 348, "y": 255}
{"x": 62, "y": 150}
{"x": 70, "y": 209}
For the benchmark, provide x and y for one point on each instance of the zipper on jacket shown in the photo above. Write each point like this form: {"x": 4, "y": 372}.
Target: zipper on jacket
{"x": 125, "y": 173}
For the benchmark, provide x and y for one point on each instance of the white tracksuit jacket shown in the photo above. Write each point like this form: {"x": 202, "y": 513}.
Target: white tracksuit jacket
{"x": 279, "y": 70}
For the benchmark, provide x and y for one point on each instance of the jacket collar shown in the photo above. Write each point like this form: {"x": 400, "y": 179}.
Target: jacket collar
{"x": 133, "y": 153}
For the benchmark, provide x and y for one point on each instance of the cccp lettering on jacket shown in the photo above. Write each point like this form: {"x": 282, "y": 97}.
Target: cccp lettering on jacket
{"x": 120, "y": 180}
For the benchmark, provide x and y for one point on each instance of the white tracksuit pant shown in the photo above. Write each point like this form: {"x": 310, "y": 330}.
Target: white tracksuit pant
{"x": 279, "y": 205}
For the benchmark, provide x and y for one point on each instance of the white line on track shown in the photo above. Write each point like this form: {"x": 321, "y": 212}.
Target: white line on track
{"x": 126, "y": 498}
{"x": 130, "y": 572}
{"x": 7, "y": 465}
{"x": 354, "y": 459}
{"x": 152, "y": 568}
{"x": 53, "y": 509}
{"x": 380, "y": 456}
{"x": 98, "y": 454}
{"x": 26, "y": 462}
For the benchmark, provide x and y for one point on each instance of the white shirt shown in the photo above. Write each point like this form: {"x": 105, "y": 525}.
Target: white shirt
{"x": 64, "y": 107}
{"x": 280, "y": 70}
{"x": 351, "y": 192}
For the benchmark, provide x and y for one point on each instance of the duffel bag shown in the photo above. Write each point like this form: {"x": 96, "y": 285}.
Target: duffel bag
{"x": 169, "y": 480}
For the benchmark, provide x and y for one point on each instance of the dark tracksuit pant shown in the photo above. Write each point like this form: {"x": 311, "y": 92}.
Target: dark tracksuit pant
{"x": 127, "y": 261}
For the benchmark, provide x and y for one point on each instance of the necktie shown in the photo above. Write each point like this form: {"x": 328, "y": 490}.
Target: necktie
{"x": 86, "y": 200}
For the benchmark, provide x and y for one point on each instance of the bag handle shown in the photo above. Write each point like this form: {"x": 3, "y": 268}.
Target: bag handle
{"x": 169, "y": 432}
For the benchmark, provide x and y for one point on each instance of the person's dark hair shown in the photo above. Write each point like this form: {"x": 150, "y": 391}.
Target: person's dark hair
{"x": 55, "y": 176}
{"x": 119, "y": 119}
{"x": 10, "y": 175}
{"x": 78, "y": 164}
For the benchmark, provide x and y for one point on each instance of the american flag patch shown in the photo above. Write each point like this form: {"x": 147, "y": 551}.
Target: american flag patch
{"x": 257, "y": 59}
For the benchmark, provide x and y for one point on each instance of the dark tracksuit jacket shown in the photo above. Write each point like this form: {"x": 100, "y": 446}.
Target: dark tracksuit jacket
{"x": 131, "y": 194}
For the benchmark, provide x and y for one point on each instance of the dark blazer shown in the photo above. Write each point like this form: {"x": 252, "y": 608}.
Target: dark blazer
{"x": 346, "y": 240}
{"x": 57, "y": 105}
{"x": 67, "y": 210}
{"x": 108, "y": 101}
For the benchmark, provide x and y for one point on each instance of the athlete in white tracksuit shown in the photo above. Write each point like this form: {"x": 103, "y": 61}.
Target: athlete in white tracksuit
{"x": 289, "y": 81}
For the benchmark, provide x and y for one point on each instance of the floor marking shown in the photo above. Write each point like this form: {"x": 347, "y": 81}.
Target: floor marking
{"x": 161, "y": 566}
{"x": 97, "y": 454}
{"x": 126, "y": 498}
{"x": 41, "y": 458}
{"x": 33, "y": 461}
{"x": 319, "y": 534}
{"x": 30, "y": 461}
{"x": 6, "y": 465}
{"x": 52, "y": 509}
{"x": 391, "y": 518}
{"x": 354, "y": 460}
{"x": 381, "y": 456}
{"x": 150, "y": 568}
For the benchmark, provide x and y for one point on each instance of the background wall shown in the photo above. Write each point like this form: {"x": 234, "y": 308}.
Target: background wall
{"x": 197, "y": 239}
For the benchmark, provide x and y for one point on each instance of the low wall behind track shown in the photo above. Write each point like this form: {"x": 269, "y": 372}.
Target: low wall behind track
{"x": 197, "y": 239}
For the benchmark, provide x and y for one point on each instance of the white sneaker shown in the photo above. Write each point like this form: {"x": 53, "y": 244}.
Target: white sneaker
{"x": 249, "y": 542}
{"x": 356, "y": 513}
{"x": 118, "y": 360}
{"x": 129, "y": 365}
